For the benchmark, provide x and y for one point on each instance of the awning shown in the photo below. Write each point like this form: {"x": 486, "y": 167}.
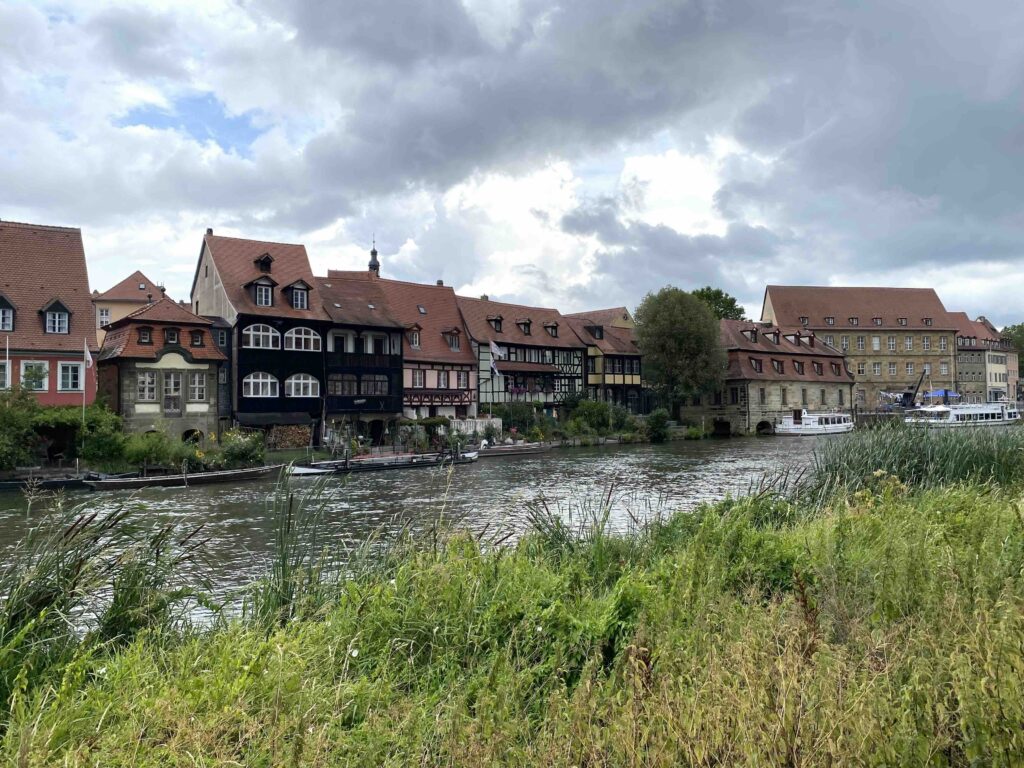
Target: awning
{"x": 941, "y": 393}
{"x": 507, "y": 366}
{"x": 268, "y": 419}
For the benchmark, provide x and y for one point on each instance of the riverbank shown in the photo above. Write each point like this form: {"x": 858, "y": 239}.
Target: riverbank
{"x": 881, "y": 625}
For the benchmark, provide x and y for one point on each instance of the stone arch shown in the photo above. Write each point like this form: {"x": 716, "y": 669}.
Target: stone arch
{"x": 192, "y": 436}
{"x": 765, "y": 428}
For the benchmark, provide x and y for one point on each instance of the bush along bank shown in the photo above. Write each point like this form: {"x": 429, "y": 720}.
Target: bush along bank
{"x": 879, "y": 627}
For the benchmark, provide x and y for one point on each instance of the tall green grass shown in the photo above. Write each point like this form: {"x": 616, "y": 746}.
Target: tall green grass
{"x": 887, "y": 629}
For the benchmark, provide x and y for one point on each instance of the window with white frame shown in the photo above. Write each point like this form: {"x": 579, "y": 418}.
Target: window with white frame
{"x": 302, "y": 340}
{"x": 261, "y": 337}
{"x": 453, "y": 341}
{"x": 927, "y": 369}
{"x": 908, "y": 343}
{"x": 892, "y": 343}
{"x": 197, "y": 387}
{"x": 5, "y": 380}
{"x": 910, "y": 369}
{"x": 264, "y": 296}
{"x": 259, "y": 384}
{"x": 926, "y": 343}
{"x": 6, "y": 319}
{"x": 35, "y": 375}
{"x": 414, "y": 339}
{"x": 942, "y": 343}
{"x": 301, "y": 385}
{"x": 860, "y": 369}
{"x": 876, "y": 369}
{"x": 419, "y": 378}
{"x": 892, "y": 369}
{"x": 70, "y": 378}
{"x": 442, "y": 379}
{"x": 462, "y": 379}
{"x": 876, "y": 343}
{"x": 56, "y": 322}
{"x": 860, "y": 343}
{"x": 300, "y": 298}
{"x": 104, "y": 316}
{"x": 844, "y": 343}
{"x": 222, "y": 338}
{"x": 146, "y": 392}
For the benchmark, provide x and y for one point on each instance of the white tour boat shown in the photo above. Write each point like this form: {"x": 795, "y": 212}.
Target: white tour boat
{"x": 967, "y": 415}
{"x": 803, "y": 423}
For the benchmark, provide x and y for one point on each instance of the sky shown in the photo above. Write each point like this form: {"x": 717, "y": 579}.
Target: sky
{"x": 576, "y": 154}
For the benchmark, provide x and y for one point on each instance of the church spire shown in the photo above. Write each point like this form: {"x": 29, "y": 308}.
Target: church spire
{"x": 374, "y": 263}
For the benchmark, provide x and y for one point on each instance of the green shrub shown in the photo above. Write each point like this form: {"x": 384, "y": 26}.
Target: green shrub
{"x": 657, "y": 425}
{"x": 19, "y": 441}
{"x": 535, "y": 435}
{"x": 148, "y": 449}
{"x": 239, "y": 449}
{"x": 595, "y": 414}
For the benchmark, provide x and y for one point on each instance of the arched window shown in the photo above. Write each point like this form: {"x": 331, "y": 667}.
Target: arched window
{"x": 259, "y": 384}
{"x": 261, "y": 337}
{"x": 302, "y": 339}
{"x": 301, "y": 385}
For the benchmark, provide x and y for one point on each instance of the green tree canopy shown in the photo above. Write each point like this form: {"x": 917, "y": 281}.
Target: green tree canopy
{"x": 722, "y": 304}
{"x": 679, "y": 338}
{"x": 1015, "y": 333}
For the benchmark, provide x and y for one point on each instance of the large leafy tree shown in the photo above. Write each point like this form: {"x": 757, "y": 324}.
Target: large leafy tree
{"x": 1015, "y": 333}
{"x": 722, "y": 304}
{"x": 679, "y": 338}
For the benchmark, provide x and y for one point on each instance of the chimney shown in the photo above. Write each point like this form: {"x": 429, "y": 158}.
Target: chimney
{"x": 440, "y": 282}
{"x": 209, "y": 230}
{"x": 484, "y": 297}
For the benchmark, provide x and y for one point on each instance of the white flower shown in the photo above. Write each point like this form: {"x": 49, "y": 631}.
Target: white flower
{"x": 354, "y": 653}
{"x": 540, "y": 628}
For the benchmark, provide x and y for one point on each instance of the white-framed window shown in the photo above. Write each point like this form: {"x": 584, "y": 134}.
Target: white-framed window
{"x": 453, "y": 341}
{"x": 419, "y": 377}
{"x": 876, "y": 343}
{"x": 908, "y": 343}
{"x": 300, "y": 298}
{"x": 844, "y": 343}
{"x": 171, "y": 336}
{"x": 222, "y": 338}
{"x": 104, "y": 316}
{"x": 197, "y": 387}
{"x": 70, "y": 377}
{"x": 6, "y": 319}
{"x": 926, "y": 343}
{"x": 146, "y": 381}
{"x": 910, "y": 369}
{"x": 261, "y": 336}
{"x": 264, "y": 296}
{"x": 860, "y": 343}
{"x": 302, "y": 340}
{"x": 442, "y": 379}
{"x": 259, "y": 384}
{"x": 944, "y": 369}
{"x": 927, "y": 369}
{"x": 145, "y": 336}
{"x": 876, "y": 369}
{"x": 942, "y": 343}
{"x": 830, "y": 340}
{"x": 35, "y": 375}
{"x": 301, "y": 385}
{"x": 462, "y": 379}
{"x": 56, "y": 322}
{"x": 860, "y": 369}
{"x": 414, "y": 339}
{"x": 5, "y": 380}
{"x": 892, "y": 343}
{"x": 830, "y": 321}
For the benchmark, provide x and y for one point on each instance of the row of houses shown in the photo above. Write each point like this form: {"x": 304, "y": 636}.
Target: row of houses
{"x": 263, "y": 342}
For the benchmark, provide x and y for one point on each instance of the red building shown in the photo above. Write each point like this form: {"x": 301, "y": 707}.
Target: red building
{"x": 46, "y": 313}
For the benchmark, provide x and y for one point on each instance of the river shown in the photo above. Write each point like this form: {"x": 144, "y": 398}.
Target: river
{"x": 491, "y": 497}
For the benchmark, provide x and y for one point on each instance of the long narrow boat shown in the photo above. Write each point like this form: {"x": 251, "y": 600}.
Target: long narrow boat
{"x": 44, "y": 484}
{"x": 416, "y": 461}
{"x": 186, "y": 480}
{"x": 523, "y": 449}
{"x": 966, "y": 415}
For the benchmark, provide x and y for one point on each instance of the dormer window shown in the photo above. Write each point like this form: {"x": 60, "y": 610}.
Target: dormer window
{"x": 755, "y": 363}
{"x": 524, "y": 326}
{"x": 818, "y": 368}
{"x": 56, "y": 322}
{"x": 803, "y": 321}
{"x": 854, "y": 321}
{"x": 264, "y": 263}
{"x": 876, "y": 320}
{"x": 264, "y": 296}
{"x": 300, "y": 298}
{"x": 145, "y": 336}
{"x": 495, "y": 321}
{"x": 414, "y": 339}
{"x": 171, "y": 336}
{"x": 197, "y": 338}
{"x": 835, "y": 369}
{"x": 778, "y": 366}
{"x": 799, "y": 367}
{"x": 926, "y": 320}
{"x": 552, "y": 329}
{"x": 6, "y": 315}
{"x": 774, "y": 336}
{"x": 597, "y": 331}
{"x": 828, "y": 320}
{"x": 452, "y": 337}
{"x": 901, "y": 320}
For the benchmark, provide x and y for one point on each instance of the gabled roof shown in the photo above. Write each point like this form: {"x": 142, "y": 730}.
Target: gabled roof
{"x": 351, "y": 300}
{"x": 743, "y": 347}
{"x": 979, "y": 329}
{"x": 614, "y": 341}
{"x": 618, "y": 317}
{"x": 442, "y": 316}
{"x": 41, "y": 263}
{"x": 235, "y": 260}
{"x": 135, "y": 288}
{"x": 165, "y": 311}
{"x": 789, "y": 303}
{"x": 476, "y": 311}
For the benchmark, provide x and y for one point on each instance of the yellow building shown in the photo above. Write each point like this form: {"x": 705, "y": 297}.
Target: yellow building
{"x": 132, "y": 293}
{"x": 613, "y": 372}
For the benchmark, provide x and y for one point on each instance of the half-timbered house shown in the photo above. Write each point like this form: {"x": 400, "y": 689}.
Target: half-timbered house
{"x": 524, "y": 354}
{"x": 613, "y": 359}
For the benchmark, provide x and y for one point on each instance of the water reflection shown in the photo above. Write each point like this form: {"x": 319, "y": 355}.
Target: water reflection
{"x": 489, "y": 496}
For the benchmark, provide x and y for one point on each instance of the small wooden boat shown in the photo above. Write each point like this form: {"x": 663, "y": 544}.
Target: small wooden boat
{"x": 185, "y": 480}
{"x": 520, "y": 449}
{"x": 383, "y": 463}
{"x": 308, "y": 471}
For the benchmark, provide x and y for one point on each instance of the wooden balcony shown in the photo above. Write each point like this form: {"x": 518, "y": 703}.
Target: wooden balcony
{"x": 358, "y": 361}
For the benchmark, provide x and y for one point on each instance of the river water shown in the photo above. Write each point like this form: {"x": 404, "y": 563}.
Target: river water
{"x": 491, "y": 497}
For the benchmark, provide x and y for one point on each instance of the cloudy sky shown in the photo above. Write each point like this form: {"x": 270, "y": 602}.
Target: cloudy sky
{"x": 576, "y": 153}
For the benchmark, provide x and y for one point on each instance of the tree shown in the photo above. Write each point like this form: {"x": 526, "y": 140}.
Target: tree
{"x": 679, "y": 338}
{"x": 722, "y": 304}
{"x": 18, "y": 439}
{"x": 1015, "y": 333}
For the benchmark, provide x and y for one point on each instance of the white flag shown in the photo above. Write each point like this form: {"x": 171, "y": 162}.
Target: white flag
{"x": 496, "y": 351}
{"x": 88, "y": 355}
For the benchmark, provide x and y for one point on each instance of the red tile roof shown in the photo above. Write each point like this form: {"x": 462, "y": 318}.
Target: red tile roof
{"x": 791, "y": 302}
{"x": 122, "y": 339}
{"x": 135, "y": 288}
{"x": 41, "y": 263}
{"x": 476, "y": 311}
{"x": 349, "y": 298}
{"x": 742, "y": 350}
{"x": 441, "y": 316}
{"x": 605, "y": 316}
{"x": 234, "y": 259}
{"x": 979, "y": 329}
{"x": 615, "y": 340}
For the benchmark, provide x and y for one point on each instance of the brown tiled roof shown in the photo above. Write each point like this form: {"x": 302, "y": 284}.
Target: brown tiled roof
{"x": 122, "y": 339}
{"x": 40, "y": 263}
{"x": 353, "y": 299}
{"x": 129, "y": 290}
{"x": 615, "y": 341}
{"x": 476, "y": 311}
{"x": 605, "y": 316}
{"x": 742, "y": 350}
{"x": 979, "y": 329}
{"x": 791, "y": 302}
{"x": 441, "y": 316}
{"x": 235, "y": 259}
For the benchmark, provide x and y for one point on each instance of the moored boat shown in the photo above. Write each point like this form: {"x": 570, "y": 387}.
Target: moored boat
{"x": 804, "y": 423}
{"x": 966, "y": 415}
{"x": 184, "y": 480}
{"x": 516, "y": 449}
{"x": 383, "y": 463}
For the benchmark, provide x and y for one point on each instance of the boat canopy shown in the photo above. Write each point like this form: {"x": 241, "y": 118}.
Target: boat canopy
{"x": 941, "y": 393}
